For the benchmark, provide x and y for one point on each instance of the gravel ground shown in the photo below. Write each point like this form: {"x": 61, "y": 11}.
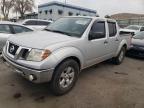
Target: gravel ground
{"x": 102, "y": 86}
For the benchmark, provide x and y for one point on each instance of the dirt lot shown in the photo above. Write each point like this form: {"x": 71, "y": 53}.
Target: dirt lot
{"x": 101, "y": 86}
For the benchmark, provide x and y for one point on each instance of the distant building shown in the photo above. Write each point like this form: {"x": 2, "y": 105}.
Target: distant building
{"x": 123, "y": 16}
{"x": 55, "y": 10}
{"x": 126, "y": 19}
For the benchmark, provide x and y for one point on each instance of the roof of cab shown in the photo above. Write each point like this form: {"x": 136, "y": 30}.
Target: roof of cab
{"x": 92, "y": 17}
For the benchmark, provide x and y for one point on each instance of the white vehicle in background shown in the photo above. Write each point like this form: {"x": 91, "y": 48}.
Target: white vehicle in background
{"x": 36, "y": 24}
{"x": 133, "y": 29}
{"x": 8, "y": 29}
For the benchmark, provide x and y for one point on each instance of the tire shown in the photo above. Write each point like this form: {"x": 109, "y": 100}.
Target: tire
{"x": 119, "y": 59}
{"x": 65, "y": 77}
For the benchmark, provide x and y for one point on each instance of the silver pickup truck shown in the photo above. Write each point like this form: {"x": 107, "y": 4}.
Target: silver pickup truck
{"x": 59, "y": 52}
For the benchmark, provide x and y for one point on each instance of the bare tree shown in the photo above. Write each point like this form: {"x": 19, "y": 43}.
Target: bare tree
{"x": 5, "y": 7}
{"x": 23, "y": 6}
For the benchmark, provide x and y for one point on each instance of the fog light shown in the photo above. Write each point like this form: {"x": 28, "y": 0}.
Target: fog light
{"x": 32, "y": 77}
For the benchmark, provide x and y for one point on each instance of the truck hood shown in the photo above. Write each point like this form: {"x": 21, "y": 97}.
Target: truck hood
{"x": 39, "y": 39}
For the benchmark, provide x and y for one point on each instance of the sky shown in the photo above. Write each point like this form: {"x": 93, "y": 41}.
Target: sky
{"x": 107, "y": 7}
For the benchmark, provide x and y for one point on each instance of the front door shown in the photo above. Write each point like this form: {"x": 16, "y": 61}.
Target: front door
{"x": 97, "y": 47}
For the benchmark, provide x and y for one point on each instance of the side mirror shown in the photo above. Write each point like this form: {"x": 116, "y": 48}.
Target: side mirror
{"x": 96, "y": 35}
{"x": 24, "y": 23}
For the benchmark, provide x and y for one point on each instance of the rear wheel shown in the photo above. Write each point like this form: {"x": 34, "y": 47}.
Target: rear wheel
{"x": 119, "y": 59}
{"x": 65, "y": 77}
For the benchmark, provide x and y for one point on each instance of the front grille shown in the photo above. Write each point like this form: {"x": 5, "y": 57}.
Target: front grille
{"x": 17, "y": 52}
{"x": 12, "y": 49}
{"x": 24, "y": 53}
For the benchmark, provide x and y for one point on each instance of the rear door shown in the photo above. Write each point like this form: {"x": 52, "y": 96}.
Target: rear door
{"x": 114, "y": 38}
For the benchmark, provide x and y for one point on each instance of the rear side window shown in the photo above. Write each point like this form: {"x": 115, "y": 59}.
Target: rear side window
{"x": 43, "y": 23}
{"x": 112, "y": 29}
{"x": 5, "y": 29}
{"x": 30, "y": 23}
{"x": 20, "y": 29}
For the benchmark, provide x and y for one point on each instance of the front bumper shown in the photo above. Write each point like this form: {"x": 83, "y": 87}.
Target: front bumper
{"x": 40, "y": 76}
{"x": 136, "y": 51}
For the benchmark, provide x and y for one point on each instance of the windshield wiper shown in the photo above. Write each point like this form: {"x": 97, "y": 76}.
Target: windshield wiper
{"x": 56, "y": 31}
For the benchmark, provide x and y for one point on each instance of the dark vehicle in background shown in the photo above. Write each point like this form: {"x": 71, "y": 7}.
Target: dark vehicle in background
{"x": 137, "y": 45}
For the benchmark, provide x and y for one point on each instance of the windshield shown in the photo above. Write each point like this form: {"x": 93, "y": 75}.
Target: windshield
{"x": 74, "y": 26}
{"x": 139, "y": 35}
{"x": 133, "y": 27}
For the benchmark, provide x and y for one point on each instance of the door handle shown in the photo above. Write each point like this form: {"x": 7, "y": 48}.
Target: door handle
{"x": 105, "y": 42}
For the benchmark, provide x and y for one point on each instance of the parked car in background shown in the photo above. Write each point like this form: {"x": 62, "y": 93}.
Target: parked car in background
{"x": 64, "y": 48}
{"x": 8, "y": 29}
{"x": 137, "y": 45}
{"x": 133, "y": 29}
{"x": 36, "y": 24}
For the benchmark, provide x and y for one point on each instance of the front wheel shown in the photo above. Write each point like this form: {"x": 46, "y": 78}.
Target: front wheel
{"x": 65, "y": 77}
{"x": 119, "y": 59}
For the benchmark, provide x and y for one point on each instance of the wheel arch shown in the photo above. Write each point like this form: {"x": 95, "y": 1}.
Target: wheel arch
{"x": 68, "y": 58}
{"x": 122, "y": 44}
{"x": 66, "y": 53}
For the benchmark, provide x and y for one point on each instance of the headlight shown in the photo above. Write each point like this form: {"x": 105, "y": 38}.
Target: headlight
{"x": 38, "y": 55}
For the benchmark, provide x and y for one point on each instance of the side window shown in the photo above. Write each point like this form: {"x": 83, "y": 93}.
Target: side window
{"x": 43, "y": 23}
{"x": 46, "y": 12}
{"x": 70, "y": 13}
{"x": 98, "y": 30}
{"x": 60, "y": 12}
{"x": 20, "y": 29}
{"x": 5, "y": 29}
{"x": 30, "y": 23}
{"x": 26, "y": 29}
{"x": 142, "y": 29}
{"x": 112, "y": 29}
